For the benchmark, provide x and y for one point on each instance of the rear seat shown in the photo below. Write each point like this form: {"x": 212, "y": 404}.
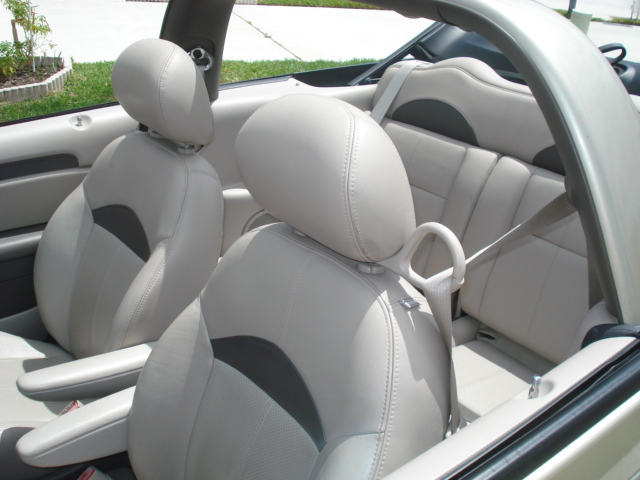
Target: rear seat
{"x": 480, "y": 159}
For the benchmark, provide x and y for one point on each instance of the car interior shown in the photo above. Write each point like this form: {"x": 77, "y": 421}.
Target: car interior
{"x": 216, "y": 291}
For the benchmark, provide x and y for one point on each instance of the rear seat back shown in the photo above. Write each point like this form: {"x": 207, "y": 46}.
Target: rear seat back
{"x": 534, "y": 291}
{"x": 481, "y": 159}
{"x": 451, "y": 122}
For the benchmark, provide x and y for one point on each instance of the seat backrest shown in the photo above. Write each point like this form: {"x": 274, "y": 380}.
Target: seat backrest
{"x": 135, "y": 243}
{"x": 481, "y": 159}
{"x": 533, "y": 291}
{"x": 451, "y": 122}
{"x": 298, "y": 360}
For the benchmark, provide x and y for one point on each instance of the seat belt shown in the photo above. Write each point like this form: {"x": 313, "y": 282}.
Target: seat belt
{"x": 437, "y": 289}
{"x": 391, "y": 92}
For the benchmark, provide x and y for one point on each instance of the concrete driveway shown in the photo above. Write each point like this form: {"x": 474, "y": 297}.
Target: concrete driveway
{"x": 94, "y": 30}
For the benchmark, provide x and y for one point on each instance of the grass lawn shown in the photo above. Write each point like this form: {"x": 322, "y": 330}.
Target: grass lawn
{"x": 317, "y": 3}
{"x": 90, "y": 84}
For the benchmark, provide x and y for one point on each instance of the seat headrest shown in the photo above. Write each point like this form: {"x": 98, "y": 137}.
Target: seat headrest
{"x": 158, "y": 84}
{"x": 328, "y": 170}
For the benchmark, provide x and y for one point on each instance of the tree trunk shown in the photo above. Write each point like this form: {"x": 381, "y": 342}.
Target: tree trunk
{"x": 14, "y": 30}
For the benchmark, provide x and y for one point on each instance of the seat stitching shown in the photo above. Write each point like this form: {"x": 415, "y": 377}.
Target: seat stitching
{"x": 352, "y": 188}
{"x": 160, "y": 81}
{"x": 204, "y": 392}
{"x": 254, "y": 437}
{"x": 386, "y": 310}
{"x": 102, "y": 284}
{"x": 345, "y": 180}
{"x": 543, "y": 289}
{"x": 387, "y": 432}
{"x": 470, "y": 75}
{"x": 292, "y": 294}
{"x": 145, "y": 293}
{"x": 497, "y": 254}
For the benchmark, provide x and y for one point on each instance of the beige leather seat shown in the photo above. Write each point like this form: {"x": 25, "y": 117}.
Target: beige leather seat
{"x": 480, "y": 159}
{"x": 299, "y": 359}
{"x": 133, "y": 245}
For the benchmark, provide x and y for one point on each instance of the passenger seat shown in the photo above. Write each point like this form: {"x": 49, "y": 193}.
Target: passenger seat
{"x": 480, "y": 159}
{"x": 299, "y": 360}
{"x": 132, "y": 246}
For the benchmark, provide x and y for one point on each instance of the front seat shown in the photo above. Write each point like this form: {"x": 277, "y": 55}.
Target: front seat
{"x": 133, "y": 245}
{"x": 302, "y": 358}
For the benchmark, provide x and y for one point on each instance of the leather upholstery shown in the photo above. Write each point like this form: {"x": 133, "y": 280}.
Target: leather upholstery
{"x": 135, "y": 243}
{"x": 360, "y": 207}
{"x": 499, "y": 111}
{"x": 533, "y": 293}
{"x": 157, "y": 83}
{"x": 377, "y": 374}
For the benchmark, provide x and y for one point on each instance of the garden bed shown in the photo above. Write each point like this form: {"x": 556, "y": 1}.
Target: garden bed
{"x": 27, "y": 85}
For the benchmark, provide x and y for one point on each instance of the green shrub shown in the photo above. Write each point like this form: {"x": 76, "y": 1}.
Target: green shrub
{"x": 12, "y": 57}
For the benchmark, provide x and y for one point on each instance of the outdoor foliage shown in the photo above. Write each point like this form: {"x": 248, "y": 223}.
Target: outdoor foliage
{"x": 12, "y": 57}
{"x": 317, "y": 3}
{"x": 626, "y": 21}
{"x": 16, "y": 54}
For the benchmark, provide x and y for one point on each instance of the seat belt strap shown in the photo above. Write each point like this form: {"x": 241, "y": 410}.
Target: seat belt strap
{"x": 391, "y": 92}
{"x": 554, "y": 211}
{"x": 437, "y": 289}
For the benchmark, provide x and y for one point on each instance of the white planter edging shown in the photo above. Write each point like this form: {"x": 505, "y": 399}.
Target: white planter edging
{"x": 38, "y": 90}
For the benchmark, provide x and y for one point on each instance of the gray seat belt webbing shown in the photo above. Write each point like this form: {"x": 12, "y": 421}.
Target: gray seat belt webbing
{"x": 437, "y": 289}
{"x": 551, "y": 213}
{"x": 386, "y": 99}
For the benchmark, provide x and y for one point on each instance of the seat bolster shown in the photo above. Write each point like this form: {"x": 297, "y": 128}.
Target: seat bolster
{"x": 93, "y": 431}
{"x": 14, "y": 347}
{"x": 170, "y": 389}
{"x": 57, "y": 263}
{"x": 91, "y": 377}
{"x": 598, "y": 315}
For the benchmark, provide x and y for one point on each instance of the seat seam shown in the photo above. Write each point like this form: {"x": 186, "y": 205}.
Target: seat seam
{"x": 102, "y": 283}
{"x": 254, "y": 436}
{"x": 542, "y": 290}
{"x": 434, "y": 67}
{"x": 160, "y": 82}
{"x": 135, "y": 313}
{"x": 352, "y": 190}
{"x": 497, "y": 254}
{"x": 387, "y": 313}
{"x": 345, "y": 181}
{"x": 292, "y": 294}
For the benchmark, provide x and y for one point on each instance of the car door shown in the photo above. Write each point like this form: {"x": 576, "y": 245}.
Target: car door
{"x": 41, "y": 162}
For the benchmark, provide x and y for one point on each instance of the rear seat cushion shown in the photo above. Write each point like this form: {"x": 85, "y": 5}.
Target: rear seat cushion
{"x": 486, "y": 377}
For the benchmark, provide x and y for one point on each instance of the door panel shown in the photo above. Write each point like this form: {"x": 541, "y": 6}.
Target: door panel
{"x": 31, "y": 200}
{"x": 41, "y": 162}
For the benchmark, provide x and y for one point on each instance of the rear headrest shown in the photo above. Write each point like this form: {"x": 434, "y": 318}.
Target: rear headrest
{"x": 328, "y": 170}
{"x": 158, "y": 84}
{"x": 465, "y": 99}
